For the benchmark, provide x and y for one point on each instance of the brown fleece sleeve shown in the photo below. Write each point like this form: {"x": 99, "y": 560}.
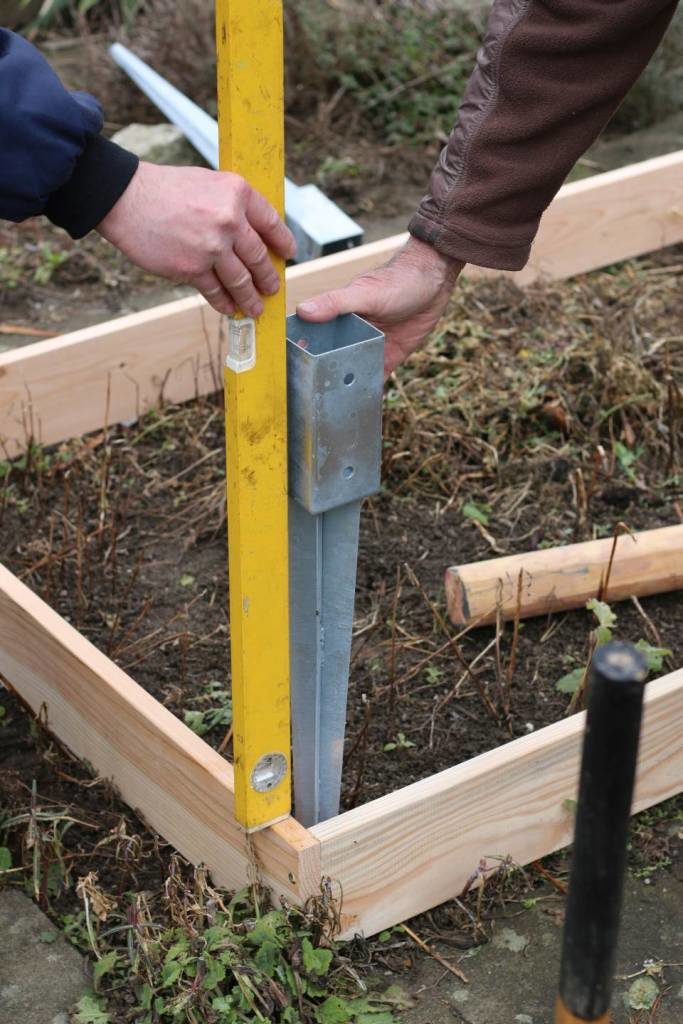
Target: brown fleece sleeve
{"x": 549, "y": 76}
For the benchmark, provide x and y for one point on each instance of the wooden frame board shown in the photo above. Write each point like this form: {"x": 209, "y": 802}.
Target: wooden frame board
{"x": 122, "y": 368}
{"x": 176, "y": 781}
{"x": 404, "y": 852}
{"x": 408, "y": 851}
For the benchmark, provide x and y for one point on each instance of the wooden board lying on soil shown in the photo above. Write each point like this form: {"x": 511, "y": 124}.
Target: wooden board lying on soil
{"x": 650, "y": 562}
{"x": 391, "y": 858}
{"x": 122, "y": 368}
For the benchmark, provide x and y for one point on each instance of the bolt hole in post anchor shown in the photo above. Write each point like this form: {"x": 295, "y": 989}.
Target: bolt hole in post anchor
{"x": 335, "y": 380}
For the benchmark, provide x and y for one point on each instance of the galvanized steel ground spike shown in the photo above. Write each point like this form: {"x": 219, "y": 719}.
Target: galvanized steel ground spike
{"x": 335, "y": 383}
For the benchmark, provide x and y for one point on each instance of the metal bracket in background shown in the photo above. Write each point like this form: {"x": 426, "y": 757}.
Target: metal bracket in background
{"x": 334, "y": 388}
{"x": 319, "y": 225}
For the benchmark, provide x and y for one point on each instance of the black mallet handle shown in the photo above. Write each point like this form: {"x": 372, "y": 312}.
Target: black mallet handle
{"x": 608, "y": 768}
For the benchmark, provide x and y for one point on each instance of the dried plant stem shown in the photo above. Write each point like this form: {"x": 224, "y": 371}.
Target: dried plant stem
{"x": 454, "y": 645}
{"x": 430, "y": 951}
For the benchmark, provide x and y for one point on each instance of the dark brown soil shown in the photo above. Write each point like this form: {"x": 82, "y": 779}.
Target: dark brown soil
{"x": 52, "y": 284}
{"x": 523, "y": 403}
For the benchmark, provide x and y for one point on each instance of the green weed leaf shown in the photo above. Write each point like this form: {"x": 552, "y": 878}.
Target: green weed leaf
{"x": 266, "y": 929}
{"x": 654, "y": 655}
{"x": 223, "y": 1005}
{"x": 215, "y": 974}
{"x": 176, "y": 950}
{"x": 104, "y": 966}
{"x": 267, "y": 957}
{"x": 571, "y": 682}
{"x": 195, "y": 720}
{"x": 89, "y": 1011}
{"x": 170, "y": 973}
{"x": 603, "y": 635}
{"x": 397, "y": 997}
{"x": 217, "y": 936}
{"x": 290, "y": 1016}
{"x": 602, "y": 611}
{"x": 316, "y": 961}
{"x": 433, "y": 673}
{"x": 627, "y": 458}
{"x": 334, "y": 1011}
{"x": 477, "y": 512}
{"x": 401, "y": 744}
{"x": 145, "y": 997}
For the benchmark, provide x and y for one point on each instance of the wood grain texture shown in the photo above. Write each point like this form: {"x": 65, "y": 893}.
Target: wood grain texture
{"x": 609, "y": 217}
{"x": 177, "y": 783}
{"x": 120, "y": 369}
{"x": 410, "y": 850}
{"x": 555, "y": 579}
{"x": 116, "y": 371}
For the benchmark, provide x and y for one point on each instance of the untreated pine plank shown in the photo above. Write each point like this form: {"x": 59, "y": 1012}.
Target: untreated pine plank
{"x": 609, "y": 217}
{"x": 179, "y": 785}
{"x": 413, "y": 849}
{"x": 556, "y": 579}
{"x": 67, "y": 386}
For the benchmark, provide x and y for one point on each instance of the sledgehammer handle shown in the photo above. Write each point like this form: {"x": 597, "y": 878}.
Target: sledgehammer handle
{"x": 608, "y": 767}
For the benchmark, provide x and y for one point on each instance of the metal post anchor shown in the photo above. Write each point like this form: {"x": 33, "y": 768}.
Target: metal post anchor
{"x": 334, "y": 395}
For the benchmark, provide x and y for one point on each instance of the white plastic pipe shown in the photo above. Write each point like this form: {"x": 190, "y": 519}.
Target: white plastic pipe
{"x": 317, "y": 223}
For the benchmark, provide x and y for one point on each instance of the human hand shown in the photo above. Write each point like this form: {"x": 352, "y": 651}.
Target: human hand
{"x": 405, "y": 299}
{"x": 205, "y": 228}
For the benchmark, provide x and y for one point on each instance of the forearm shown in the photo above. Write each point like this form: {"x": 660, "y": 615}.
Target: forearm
{"x": 550, "y": 75}
{"x": 53, "y": 158}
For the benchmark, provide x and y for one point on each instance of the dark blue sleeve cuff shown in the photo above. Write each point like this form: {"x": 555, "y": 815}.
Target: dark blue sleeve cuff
{"x": 101, "y": 175}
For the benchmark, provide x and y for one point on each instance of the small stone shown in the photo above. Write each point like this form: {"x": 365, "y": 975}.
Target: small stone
{"x": 507, "y": 938}
{"x": 158, "y": 144}
{"x": 459, "y": 996}
{"x": 524, "y": 1018}
{"x": 643, "y": 993}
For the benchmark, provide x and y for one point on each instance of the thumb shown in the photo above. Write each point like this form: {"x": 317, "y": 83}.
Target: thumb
{"x": 328, "y": 305}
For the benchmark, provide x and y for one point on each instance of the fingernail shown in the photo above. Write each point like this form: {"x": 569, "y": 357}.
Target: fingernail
{"x": 308, "y": 307}
{"x": 272, "y": 287}
{"x": 256, "y": 309}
